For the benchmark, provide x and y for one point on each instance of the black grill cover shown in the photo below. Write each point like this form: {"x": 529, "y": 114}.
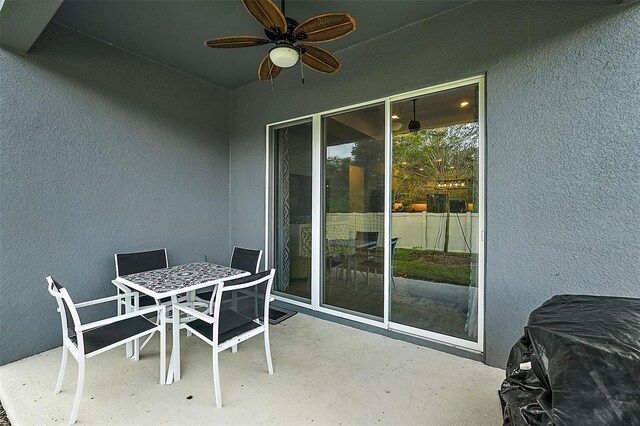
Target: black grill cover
{"x": 585, "y": 364}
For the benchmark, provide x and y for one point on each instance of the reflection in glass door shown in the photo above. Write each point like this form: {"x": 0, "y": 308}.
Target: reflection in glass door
{"x": 292, "y": 155}
{"x": 435, "y": 220}
{"x": 376, "y": 212}
{"x": 354, "y": 236}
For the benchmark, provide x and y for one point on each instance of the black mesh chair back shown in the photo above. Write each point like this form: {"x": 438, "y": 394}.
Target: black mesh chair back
{"x": 141, "y": 261}
{"x": 394, "y": 243}
{"x": 68, "y": 314}
{"x": 246, "y": 259}
{"x": 244, "y": 306}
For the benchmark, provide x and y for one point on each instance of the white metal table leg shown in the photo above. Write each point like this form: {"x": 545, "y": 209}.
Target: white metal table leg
{"x": 163, "y": 345}
{"x": 174, "y": 361}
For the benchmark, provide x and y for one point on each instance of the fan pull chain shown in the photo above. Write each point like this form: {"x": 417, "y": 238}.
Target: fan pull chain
{"x": 271, "y": 79}
{"x": 302, "y": 72}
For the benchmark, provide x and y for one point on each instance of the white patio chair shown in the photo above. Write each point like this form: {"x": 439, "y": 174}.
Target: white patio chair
{"x": 132, "y": 263}
{"x": 376, "y": 263}
{"x": 87, "y": 340}
{"x": 229, "y": 324}
{"x": 241, "y": 258}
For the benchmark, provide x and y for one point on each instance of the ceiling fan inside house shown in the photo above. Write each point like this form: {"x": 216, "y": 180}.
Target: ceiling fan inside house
{"x": 292, "y": 40}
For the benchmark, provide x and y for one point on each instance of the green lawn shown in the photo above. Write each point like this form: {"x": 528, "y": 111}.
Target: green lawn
{"x": 452, "y": 268}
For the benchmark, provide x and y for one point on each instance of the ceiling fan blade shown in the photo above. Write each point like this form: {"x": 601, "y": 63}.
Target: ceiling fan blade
{"x": 235, "y": 41}
{"x": 319, "y": 59}
{"x": 267, "y": 69}
{"x": 327, "y": 27}
{"x": 267, "y": 13}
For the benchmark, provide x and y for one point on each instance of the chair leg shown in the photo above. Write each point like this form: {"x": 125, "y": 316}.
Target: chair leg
{"x": 63, "y": 367}
{"x": 136, "y": 343}
{"x": 146, "y": 341}
{"x": 163, "y": 350}
{"x": 127, "y": 309}
{"x": 76, "y": 401}
{"x": 136, "y": 350}
{"x": 267, "y": 349}
{"x": 234, "y": 349}
{"x": 216, "y": 378}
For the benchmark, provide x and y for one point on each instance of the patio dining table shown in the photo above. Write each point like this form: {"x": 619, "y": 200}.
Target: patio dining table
{"x": 177, "y": 281}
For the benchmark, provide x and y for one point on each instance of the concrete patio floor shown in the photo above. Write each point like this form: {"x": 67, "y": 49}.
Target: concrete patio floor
{"x": 325, "y": 373}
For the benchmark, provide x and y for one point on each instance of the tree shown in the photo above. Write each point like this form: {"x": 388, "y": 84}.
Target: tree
{"x": 437, "y": 161}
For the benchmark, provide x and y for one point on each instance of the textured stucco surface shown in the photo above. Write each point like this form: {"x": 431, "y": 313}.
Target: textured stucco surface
{"x": 563, "y": 138}
{"x": 101, "y": 152}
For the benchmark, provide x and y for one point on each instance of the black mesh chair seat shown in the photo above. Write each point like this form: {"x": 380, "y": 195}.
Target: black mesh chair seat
{"x": 107, "y": 335}
{"x": 145, "y": 300}
{"x": 232, "y": 324}
{"x": 205, "y": 295}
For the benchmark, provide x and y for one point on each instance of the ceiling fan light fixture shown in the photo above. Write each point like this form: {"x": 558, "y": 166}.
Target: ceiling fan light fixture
{"x": 284, "y": 56}
{"x": 414, "y": 125}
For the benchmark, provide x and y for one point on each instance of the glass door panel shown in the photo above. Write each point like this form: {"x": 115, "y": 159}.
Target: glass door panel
{"x": 292, "y": 155}
{"x": 434, "y": 219}
{"x": 354, "y": 168}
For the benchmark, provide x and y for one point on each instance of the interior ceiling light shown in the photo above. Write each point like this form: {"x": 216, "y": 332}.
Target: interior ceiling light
{"x": 395, "y": 117}
{"x": 464, "y": 104}
{"x": 284, "y": 56}
{"x": 414, "y": 125}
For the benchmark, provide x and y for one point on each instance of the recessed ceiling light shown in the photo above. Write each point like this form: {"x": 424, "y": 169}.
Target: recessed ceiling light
{"x": 395, "y": 117}
{"x": 463, "y": 104}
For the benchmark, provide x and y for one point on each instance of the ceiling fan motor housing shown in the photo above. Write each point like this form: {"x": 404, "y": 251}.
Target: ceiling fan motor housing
{"x": 276, "y": 35}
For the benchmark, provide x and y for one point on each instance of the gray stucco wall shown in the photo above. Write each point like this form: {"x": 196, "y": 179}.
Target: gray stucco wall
{"x": 101, "y": 152}
{"x": 563, "y": 138}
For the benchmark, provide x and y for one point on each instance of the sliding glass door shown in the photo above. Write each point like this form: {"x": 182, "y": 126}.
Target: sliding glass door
{"x": 292, "y": 157}
{"x": 435, "y": 169}
{"x": 376, "y": 212}
{"x": 353, "y": 234}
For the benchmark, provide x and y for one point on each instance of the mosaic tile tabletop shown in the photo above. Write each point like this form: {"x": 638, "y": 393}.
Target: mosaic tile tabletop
{"x": 182, "y": 276}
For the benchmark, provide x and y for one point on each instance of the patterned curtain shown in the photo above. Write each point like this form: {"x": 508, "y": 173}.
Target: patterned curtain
{"x": 283, "y": 235}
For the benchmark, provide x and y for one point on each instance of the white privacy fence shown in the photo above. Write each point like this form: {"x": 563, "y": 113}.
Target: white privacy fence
{"x": 424, "y": 231}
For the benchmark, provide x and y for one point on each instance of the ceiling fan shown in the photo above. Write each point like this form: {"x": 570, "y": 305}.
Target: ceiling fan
{"x": 291, "y": 39}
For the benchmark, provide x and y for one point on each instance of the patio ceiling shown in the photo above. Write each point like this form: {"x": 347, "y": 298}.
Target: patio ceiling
{"x": 172, "y": 32}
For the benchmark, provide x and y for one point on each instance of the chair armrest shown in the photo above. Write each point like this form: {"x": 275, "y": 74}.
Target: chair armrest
{"x": 194, "y": 313}
{"x": 103, "y": 300}
{"x": 122, "y": 287}
{"x": 158, "y": 309}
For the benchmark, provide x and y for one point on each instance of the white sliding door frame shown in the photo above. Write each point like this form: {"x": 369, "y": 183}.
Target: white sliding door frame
{"x": 317, "y": 216}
